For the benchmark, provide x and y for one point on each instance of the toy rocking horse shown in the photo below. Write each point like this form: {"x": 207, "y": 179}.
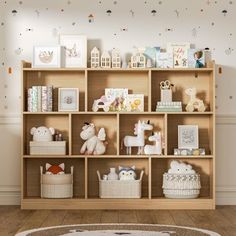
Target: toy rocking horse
{"x": 137, "y": 141}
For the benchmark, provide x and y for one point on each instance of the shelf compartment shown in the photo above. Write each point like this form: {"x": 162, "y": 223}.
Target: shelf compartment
{"x": 128, "y": 121}
{"x": 107, "y": 121}
{"x": 32, "y": 175}
{"x": 201, "y": 166}
{"x": 104, "y": 165}
{"x": 205, "y": 126}
{"x": 202, "y": 80}
{"x": 58, "y": 79}
{"x": 60, "y": 123}
{"x": 136, "y": 81}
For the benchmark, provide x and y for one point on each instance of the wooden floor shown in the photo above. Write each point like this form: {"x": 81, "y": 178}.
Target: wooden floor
{"x": 13, "y": 220}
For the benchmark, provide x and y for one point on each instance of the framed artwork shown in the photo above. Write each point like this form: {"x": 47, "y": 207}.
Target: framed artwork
{"x": 165, "y": 60}
{"x": 47, "y": 56}
{"x": 196, "y": 58}
{"x": 68, "y": 99}
{"x": 135, "y": 102}
{"x": 188, "y": 136}
{"x": 180, "y": 54}
{"x": 74, "y": 50}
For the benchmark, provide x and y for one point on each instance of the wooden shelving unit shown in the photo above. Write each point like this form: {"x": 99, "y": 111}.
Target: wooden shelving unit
{"x": 92, "y": 83}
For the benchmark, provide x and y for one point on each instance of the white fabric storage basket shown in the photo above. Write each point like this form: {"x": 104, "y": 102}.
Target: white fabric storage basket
{"x": 56, "y": 186}
{"x": 181, "y": 185}
{"x": 48, "y": 148}
{"x": 120, "y": 188}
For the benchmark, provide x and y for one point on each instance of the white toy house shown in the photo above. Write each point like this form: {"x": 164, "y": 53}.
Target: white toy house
{"x": 95, "y": 58}
{"x": 106, "y": 60}
{"x": 115, "y": 58}
{"x": 138, "y": 61}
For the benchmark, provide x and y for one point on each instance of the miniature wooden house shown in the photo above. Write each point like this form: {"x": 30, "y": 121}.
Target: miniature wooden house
{"x": 138, "y": 61}
{"x": 106, "y": 60}
{"x": 95, "y": 58}
{"x": 116, "y": 59}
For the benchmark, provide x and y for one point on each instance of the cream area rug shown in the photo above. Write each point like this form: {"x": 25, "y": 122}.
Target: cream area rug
{"x": 118, "y": 230}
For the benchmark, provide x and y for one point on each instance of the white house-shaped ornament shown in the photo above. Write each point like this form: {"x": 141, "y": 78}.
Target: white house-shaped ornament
{"x": 106, "y": 60}
{"x": 115, "y": 58}
{"x": 138, "y": 61}
{"x": 95, "y": 58}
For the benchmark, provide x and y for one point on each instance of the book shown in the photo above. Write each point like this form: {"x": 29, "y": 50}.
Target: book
{"x": 34, "y": 98}
{"x": 30, "y": 101}
{"x": 164, "y": 60}
{"x": 180, "y": 54}
{"x": 151, "y": 53}
{"x": 50, "y": 98}
{"x": 39, "y": 99}
{"x": 118, "y": 95}
{"x": 135, "y": 102}
{"x": 44, "y": 99}
{"x": 196, "y": 58}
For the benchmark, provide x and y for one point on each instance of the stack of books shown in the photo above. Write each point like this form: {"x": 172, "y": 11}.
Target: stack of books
{"x": 169, "y": 106}
{"x": 40, "y": 99}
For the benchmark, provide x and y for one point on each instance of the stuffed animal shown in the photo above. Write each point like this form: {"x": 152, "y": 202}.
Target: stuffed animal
{"x": 93, "y": 144}
{"x": 127, "y": 173}
{"x": 177, "y": 167}
{"x": 42, "y": 133}
{"x": 55, "y": 169}
{"x": 194, "y": 102}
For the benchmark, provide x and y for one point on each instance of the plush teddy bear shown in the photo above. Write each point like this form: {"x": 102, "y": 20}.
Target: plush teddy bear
{"x": 127, "y": 173}
{"x": 177, "y": 167}
{"x": 42, "y": 133}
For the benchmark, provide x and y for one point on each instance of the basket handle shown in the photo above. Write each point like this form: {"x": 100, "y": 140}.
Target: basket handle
{"x": 141, "y": 175}
{"x": 99, "y": 176}
{"x": 41, "y": 170}
{"x": 72, "y": 170}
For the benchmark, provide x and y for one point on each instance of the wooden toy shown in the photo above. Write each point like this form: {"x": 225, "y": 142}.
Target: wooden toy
{"x": 137, "y": 141}
{"x": 93, "y": 145}
{"x": 95, "y": 58}
{"x": 106, "y": 60}
{"x": 138, "y": 61}
{"x": 115, "y": 58}
{"x": 155, "y": 149}
{"x": 194, "y": 102}
{"x": 102, "y": 103}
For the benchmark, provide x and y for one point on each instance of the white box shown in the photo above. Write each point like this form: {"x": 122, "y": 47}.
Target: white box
{"x": 48, "y": 148}
{"x": 166, "y": 95}
{"x": 120, "y": 188}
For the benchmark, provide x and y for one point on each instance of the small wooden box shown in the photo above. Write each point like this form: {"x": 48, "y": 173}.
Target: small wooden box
{"x": 48, "y": 148}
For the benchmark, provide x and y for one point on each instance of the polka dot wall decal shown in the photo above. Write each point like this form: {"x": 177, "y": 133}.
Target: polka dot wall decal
{"x": 62, "y": 10}
{"x": 14, "y": 12}
{"x": 124, "y": 29}
{"x": 29, "y": 29}
{"x": 68, "y": 2}
{"x": 160, "y": 2}
{"x": 73, "y": 23}
{"x": 2, "y": 23}
{"x": 18, "y": 51}
{"x": 212, "y": 23}
{"x": 132, "y": 13}
{"x": 169, "y": 30}
{"x": 153, "y": 12}
{"x": 230, "y": 2}
{"x": 37, "y": 13}
{"x": 229, "y": 51}
{"x": 20, "y": 2}
{"x": 91, "y": 18}
{"x": 115, "y": 2}
{"x": 224, "y": 12}
{"x": 108, "y": 12}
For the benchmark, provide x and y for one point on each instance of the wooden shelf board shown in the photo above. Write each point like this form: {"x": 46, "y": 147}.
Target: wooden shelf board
{"x": 184, "y": 157}
{"x": 97, "y": 203}
{"x": 55, "y": 69}
{"x": 45, "y": 156}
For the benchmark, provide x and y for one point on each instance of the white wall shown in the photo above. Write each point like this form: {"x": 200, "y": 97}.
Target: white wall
{"x": 40, "y": 22}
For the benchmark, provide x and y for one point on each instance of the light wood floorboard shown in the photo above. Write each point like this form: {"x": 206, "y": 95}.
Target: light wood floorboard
{"x": 221, "y": 220}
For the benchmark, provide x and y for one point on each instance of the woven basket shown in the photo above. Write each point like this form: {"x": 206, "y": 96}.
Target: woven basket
{"x": 181, "y": 185}
{"x": 56, "y": 186}
{"x": 120, "y": 188}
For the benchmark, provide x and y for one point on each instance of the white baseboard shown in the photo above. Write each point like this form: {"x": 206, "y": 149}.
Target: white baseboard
{"x": 9, "y": 195}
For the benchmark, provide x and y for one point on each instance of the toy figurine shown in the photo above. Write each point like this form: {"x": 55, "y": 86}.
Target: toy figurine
{"x": 155, "y": 149}
{"x": 194, "y": 102}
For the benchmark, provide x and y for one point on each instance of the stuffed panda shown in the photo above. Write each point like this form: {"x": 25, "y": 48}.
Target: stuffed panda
{"x": 127, "y": 173}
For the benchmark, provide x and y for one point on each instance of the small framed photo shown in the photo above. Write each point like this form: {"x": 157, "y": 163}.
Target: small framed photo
{"x": 47, "y": 56}
{"x": 188, "y": 136}
{"x": 135, "y": 102}
{"x": 74, "y": 50}
{"x": 68, "y": 99}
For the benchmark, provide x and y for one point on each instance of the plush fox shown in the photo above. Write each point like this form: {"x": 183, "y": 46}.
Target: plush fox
{"x": 55, "y": 169}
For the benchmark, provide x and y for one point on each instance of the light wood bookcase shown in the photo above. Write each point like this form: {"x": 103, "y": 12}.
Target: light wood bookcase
{"x": 91, "y": 83}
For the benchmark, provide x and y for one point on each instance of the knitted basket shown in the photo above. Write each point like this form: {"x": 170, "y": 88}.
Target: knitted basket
{"x": 181, "y": 185}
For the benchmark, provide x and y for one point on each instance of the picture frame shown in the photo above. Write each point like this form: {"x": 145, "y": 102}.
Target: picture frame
{"x": 74, "y": 50}
{"x": 68, "y": 99}
{"x": 135, "y": 102}
{"x": 46, "y": 57}
{"x": 188, "y": 137}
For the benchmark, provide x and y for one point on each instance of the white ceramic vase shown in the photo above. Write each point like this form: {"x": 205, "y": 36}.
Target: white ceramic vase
{"x": 112, "y": 175}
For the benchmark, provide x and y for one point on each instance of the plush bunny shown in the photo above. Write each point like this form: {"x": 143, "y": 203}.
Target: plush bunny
{"x": 180, "y": 168}
{"x": 127, "y": 173}
{"x": 55, "y": 169}
{"x": 42, "y": 133}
